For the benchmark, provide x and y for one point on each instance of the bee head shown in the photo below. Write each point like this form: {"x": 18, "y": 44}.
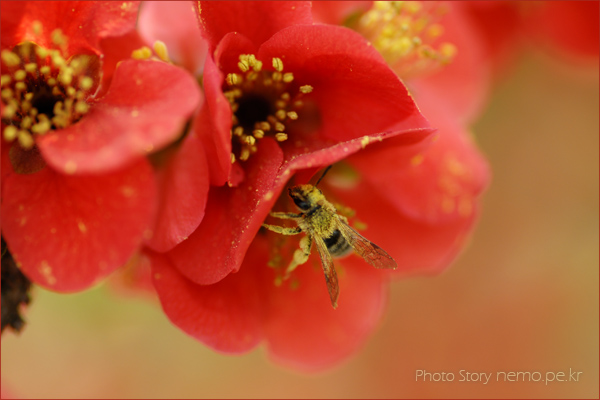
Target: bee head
{"x": 305, "y": 196}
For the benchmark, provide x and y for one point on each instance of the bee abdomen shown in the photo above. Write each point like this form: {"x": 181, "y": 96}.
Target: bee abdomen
{"x": 337, "y": 245}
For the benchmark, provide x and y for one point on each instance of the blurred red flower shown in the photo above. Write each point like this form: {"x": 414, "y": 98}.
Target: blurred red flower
{"x": 78, "y": 194}
{"x": 418, "y": 198}
{"x": 569, "y": 29}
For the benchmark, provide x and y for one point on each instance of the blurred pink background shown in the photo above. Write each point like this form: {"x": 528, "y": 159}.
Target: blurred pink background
{"x": 522, "y": 297}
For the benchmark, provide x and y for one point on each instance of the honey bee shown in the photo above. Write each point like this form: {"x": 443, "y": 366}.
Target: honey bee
{"x": 329, "y": 232}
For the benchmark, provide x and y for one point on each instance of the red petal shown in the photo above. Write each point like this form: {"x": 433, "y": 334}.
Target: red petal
{"x": 355, "y": 92}
{"x": 464, "y": 83}
{"x": 438, "y": 183}
{"x": 144, "y": 110}
{"x": 115, "y": 50}
{"x": 233, "y": 216}
{"x": 69, "y": 231}
{"x": 84, "y": 23}
{"x": 572, "y": 26}
{"x": 183, "y": 196}
{"x": 175, "y": 24}
{"x": 498, "y": 25}
{"x": 213, "y": 122}
{"x": 304, "y": 331}
{"x": 417, "y": 246}
{"x": 224, "y": 316}
{"x": 257, "y": 20}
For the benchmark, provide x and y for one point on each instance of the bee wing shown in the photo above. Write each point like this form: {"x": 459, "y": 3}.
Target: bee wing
{"x": 330, "y": 274}
{"x": 368, "y": 250}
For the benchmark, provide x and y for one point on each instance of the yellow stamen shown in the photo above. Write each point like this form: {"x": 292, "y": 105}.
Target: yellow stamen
{"x": 160, "y": 48}
{"x": 142, "y": 53}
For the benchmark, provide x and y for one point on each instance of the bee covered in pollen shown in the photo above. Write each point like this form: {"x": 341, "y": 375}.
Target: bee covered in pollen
{"x": 329, "y": 231}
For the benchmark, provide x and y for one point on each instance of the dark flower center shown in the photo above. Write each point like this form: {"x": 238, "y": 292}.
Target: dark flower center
{"x": 44, "y": 89}
{"x": 252, "y": 109}
{"x": 261, "y": 104}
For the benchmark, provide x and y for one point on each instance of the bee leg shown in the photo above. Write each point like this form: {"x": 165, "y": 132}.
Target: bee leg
{"x": 283, "y": 229}
{"x": 282, "y": 215}
{"x": 300, "y": 255}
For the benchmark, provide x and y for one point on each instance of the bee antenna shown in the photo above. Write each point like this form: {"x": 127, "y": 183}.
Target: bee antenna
{"x": 322, "y": 176}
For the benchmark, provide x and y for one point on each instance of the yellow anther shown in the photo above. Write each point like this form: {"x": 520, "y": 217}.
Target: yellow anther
{"x": 264, "y": 125}
{"x": 258, "y": 133}
{"x": 58, "y": 108}
{"x": 45, "y": 69}
{"x": 277, "y": 64}
{"x": 160, "y": 48}
{"x": 69, "y": 104}
{"x": 51, "y": 82}
{"x": 435, "y": 30}
{"x": 279, "y": 127}
{"x": 281, "y": 137}
{"x": 86, "y": 83}
{"x": 277, "y": 76}
{"x": 238, "y": 131}
{"x": 293, "y": 115}
{"x": 233, "y": 79}
{"x": 257, "y": 66}
{"x": 71, "y": 91}
{"x": 31, "y": 67}
{"x": 26, "y": 106}
{"x": 232, "y": 158}
{"x": 243, "y": 65}
{"x": 57, "y": 60}
{"x": 306, "y": 89}
{"x": 10, "y": 58}
{"x": 5, "y": 80}
{"x": 448, "y": 50}
{"x": 280, "y": 115}
{"x": 56, "y": 91}
{"x": 26, "y": 122}
{"x": 58, "y": 38}
{"x": 81, "y": 107}
{"x": 6, "y": 93}
{"x": 41, "y": 127}
{"x": 37, "y": 28}
{"x": 9, "y": 111}
{"x": 413, "y": 7}
{"x": 143, "y": 53}
{"x": 10, "y": 133}
{"x": 25, "y": 139}
{"x": 20, "y": 75}
{"x": 29, "y": 96}
{"x": 288, "y": 77}
{"x": 245, "y": 154}
{"x": 250, "y": 140}
{"x": 21, "y": 86}
{"x": 285, "y": 96}
{"x": 41, "y": 52}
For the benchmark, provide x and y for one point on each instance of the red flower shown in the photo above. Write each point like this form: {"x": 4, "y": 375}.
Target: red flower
{"x": 419, "y": 205}
{"x": 78, "y": 194}
{"x": 569, "y": 28}
{"x": 348, "y": 95}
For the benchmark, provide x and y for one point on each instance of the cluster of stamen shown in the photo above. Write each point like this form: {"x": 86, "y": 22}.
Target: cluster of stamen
{"x": 43, "y": 90}
{"x": 261, "y": 104}
{"x": 404, "y": 32}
